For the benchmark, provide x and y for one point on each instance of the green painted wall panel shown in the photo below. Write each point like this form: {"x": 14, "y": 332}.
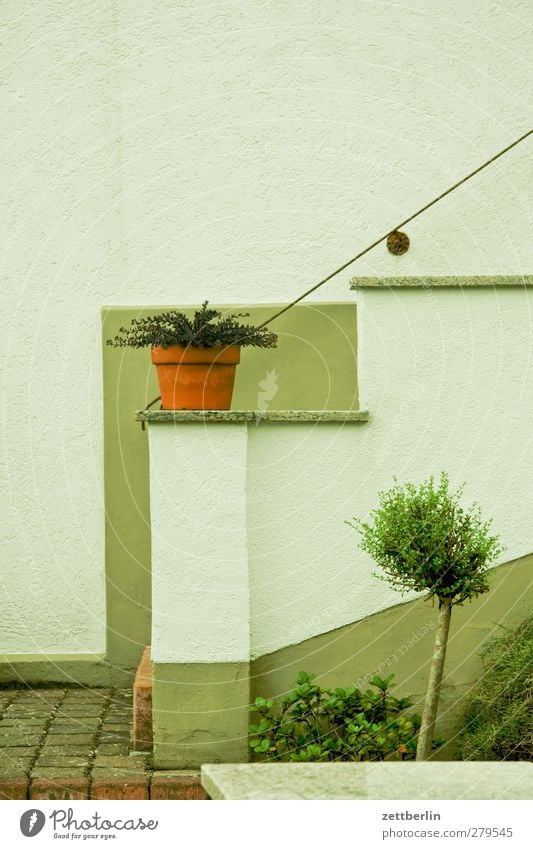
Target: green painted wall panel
{"x": 315, "y": 366}
{"x": 197, "y": 705}
{"x": 400, "y": 640}
{"x": 127, "y": 383}
{"x": 71, "y": 672}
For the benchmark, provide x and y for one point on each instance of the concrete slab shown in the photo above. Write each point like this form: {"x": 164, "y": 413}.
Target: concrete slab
{"x": 439, "y": 780}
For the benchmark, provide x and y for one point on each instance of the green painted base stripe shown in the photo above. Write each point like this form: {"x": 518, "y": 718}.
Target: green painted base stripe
{"x": 65, "y": 672}
{"x": 52, "y": 658}
{"x": 200, "y": 714}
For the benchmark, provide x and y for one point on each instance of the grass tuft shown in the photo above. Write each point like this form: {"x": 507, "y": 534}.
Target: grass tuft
{"x": 499, "y": 712}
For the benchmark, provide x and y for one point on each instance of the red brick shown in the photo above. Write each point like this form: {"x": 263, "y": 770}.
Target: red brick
{"x": 109, "y": 738}
{"x": 177, "y": 784}
{"x": 59, "y": 784}
{"x": 122, "y": 697}
{"x": 119, "y": 784}
{"x": 23, "y": 710}
{"x": 20, "y": 738}
{"x": 49, "y": 758}
{"x": 14, "y": 786}
{"x": 96, "y": 697}
{"x": 16, "y": 758}
{"x": 67, "y": 751}
{"x": 112, "y": 749}
{"x": 77, "y": 711}
{"x": 133, "y": 763}
{"x": 53, "y": 739}
{"x": 84, "y": 726}
{"x": 142, "y": 704}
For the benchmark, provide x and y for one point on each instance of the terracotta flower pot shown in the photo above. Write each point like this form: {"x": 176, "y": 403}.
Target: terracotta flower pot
{"x": 196, "y": 378}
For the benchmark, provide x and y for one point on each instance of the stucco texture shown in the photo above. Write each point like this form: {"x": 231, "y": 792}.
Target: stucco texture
{"x": 314, "y": 366}
{"x": 162, "y": 153}
{"x": 399, "y": 641}
{"x": 200, "y": 583}
{"x": 446, "y": 376}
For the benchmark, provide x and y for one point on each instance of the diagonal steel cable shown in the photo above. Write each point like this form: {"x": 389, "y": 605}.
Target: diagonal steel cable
{"x": 384, "y": 236}
{"x": 398, "y": 227}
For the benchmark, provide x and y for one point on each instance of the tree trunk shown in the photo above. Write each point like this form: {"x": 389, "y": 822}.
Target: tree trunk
{"x": 431, "y": 703}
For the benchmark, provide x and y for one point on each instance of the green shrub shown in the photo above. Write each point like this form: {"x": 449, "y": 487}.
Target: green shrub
{"x": 313, "y": 723}
{"x": 499, "y": 712}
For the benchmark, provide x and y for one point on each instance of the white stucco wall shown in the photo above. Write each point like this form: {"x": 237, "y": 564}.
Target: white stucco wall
{"x": 446, "y": 375}
{"x": 59, "y": 152}
{"x": 163, "y": 153}
{"x": 200, "y": 587}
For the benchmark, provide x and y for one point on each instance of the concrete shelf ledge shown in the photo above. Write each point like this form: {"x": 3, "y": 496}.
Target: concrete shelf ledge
{"x": 232, "y": 416}
{"x": 411, "y": 780}
{"x": 456, "y": 282}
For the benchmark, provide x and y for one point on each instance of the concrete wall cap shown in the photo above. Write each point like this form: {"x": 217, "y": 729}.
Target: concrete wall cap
{"x": 455, "y": 282}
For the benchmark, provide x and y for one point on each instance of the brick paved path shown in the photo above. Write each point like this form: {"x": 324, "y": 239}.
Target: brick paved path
{"x": 76, "y": 744}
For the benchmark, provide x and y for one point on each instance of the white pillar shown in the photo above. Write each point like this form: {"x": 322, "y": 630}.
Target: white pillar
{"x": 201, "y": 609}
{"x": 199, "y": 547}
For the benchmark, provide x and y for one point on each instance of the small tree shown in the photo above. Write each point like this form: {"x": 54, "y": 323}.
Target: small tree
{"x": 425, "y": 541}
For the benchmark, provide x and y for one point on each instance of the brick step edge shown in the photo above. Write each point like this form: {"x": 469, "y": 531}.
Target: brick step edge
{"x": 142, "y": 704}
{"x": 176, "y": 784}
{"x": 162, "y": 785}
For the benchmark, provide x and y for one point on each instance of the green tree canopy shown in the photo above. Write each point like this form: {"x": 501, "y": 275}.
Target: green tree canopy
{"x": 423, "y": 539}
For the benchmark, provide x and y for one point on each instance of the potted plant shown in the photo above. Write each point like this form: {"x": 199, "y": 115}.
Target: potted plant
{"x": 195, "y": 357}
{"x": 424, "y": 540}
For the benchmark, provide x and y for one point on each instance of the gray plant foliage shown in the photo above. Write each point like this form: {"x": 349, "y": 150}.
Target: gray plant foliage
{"x": 207, "y": 328}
